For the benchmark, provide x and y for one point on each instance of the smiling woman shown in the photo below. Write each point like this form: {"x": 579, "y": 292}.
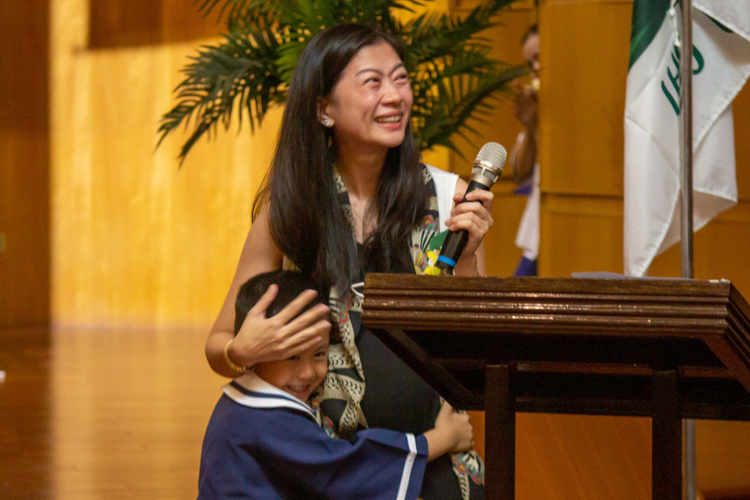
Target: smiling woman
{"x": 368, "y": 111}
{"x": 346, "y": 194}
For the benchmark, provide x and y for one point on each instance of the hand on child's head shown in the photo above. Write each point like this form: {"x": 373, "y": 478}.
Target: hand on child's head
{"x": 286, "y": 333}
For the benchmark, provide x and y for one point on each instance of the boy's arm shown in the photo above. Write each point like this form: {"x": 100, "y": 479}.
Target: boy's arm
{"x": 452, "y": 433}
{"x": 376, "y": 464}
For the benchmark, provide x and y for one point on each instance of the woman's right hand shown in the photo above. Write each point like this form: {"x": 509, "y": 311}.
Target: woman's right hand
{"x": 281, "y": 336}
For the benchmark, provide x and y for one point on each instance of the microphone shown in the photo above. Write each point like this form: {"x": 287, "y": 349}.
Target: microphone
{"x": 487, "y": 168}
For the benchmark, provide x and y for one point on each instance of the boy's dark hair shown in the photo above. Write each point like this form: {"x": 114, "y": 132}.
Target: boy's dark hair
{"x": 290, "y": 283}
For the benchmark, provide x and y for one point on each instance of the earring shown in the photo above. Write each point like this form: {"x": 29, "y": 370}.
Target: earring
{"x": 328, "y": 123}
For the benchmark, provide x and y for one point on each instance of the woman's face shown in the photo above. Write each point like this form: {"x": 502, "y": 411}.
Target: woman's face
{"x": 371, "y": 103}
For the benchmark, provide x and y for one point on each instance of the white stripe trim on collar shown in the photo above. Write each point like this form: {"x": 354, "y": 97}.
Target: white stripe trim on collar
{"x": 252, "y": 391}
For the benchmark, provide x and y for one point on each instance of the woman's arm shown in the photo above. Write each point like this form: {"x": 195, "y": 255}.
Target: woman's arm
{"x": 523, "y": 156}
{"x": 476, "y": 218}
{"x": 262, "y": 339}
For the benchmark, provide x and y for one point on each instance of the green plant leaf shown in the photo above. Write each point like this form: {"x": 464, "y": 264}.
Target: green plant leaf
{"x": 239, "y": 71}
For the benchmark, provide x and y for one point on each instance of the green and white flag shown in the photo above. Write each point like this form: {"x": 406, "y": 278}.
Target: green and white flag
{"x": 721, "y": 65}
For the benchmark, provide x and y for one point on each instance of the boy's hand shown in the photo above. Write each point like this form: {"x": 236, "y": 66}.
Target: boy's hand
{"x": 458, "y": 426}
{"x": 452, "y": 433}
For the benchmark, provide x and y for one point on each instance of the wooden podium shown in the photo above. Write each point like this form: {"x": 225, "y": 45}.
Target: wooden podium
{"x": 664, "y": 348}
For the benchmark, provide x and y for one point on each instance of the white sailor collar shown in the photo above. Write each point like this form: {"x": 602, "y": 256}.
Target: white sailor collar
{"x": 252, "y": 391}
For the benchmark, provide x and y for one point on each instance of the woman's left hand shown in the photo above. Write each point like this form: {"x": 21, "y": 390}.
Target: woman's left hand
{"x": 474, "y": 217}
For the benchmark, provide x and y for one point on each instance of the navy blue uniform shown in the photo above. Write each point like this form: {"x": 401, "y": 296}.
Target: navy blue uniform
{"x": 264, "y": 443}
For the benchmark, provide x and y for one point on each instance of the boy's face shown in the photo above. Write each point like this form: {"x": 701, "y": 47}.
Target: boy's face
{"x": 298, "y": 375}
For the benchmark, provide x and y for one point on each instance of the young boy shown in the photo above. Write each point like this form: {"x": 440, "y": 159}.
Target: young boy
{"x": 265, "y": 441}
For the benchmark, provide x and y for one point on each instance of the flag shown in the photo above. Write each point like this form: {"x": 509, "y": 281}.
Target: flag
{"x": 721, "y": 66}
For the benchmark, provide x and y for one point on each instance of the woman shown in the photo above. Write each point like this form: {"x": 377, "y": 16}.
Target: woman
{"x": 349, "y": 104}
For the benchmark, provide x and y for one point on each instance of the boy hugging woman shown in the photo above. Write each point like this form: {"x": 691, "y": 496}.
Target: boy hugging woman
{"x": 266, "y": 439}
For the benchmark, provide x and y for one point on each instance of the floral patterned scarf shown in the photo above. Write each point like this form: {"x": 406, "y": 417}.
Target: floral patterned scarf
{"x": 344, "y": 387}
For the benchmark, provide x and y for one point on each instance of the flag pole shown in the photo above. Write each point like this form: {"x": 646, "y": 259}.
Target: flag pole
{"x": 686, "y": 138}
{"x": 686, "y": 186}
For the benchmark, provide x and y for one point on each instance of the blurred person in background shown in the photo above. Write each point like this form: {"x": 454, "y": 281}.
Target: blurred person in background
{"x": 523, "y": 156}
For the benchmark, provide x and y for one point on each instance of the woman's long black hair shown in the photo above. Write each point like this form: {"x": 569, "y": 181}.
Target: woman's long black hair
{"x": 306, "y": 221}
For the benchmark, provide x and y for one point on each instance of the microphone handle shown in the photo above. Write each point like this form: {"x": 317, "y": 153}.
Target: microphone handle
{"x": 456, "y": 241}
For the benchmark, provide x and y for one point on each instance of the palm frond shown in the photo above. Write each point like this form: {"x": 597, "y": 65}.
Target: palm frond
{"x": 239, "y": 71}
{"x": 251, "y": 14}
{"x": 447, "y": 99}
{"x": 432, "y": 35}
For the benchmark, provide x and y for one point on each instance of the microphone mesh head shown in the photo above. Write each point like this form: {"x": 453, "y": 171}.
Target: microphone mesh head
{"x": 489, "y": 164}
{"x": 494, "y": 154}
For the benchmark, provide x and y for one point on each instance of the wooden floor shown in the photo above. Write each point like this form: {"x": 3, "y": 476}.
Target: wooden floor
{"x": 90, "y": 414}
{"x": 120, "y": 414}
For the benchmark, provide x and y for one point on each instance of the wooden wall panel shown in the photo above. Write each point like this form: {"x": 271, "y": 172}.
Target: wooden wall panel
{"x": 501, "y": 253}
{"x": 119, "y": 23}
{"x": 586, "y": 233}
{"x": 584, "y": 57}
{"x": 136, "y": 240}
{"x": 24, "y": 164}
{"x": 584, "y": 62}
